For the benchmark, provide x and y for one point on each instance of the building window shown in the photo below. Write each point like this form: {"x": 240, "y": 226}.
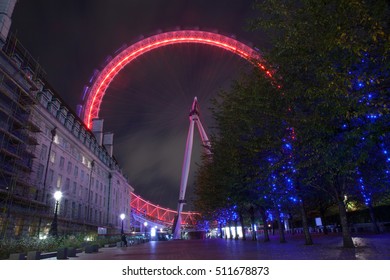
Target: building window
{"x": 59, "y": 181}
{"x": 76, "y": 171}
{"x": 66, "y": 145}
{"x": 43, "y": 152}
{"x": 79, "y": 212}
{"x": 56, "y": 139}
{"x": 51, "y": 176}
{"x": 18, "y": 229}
{"x": 62, "y": 162}
{"x": 67, "y": 184}
{"x": 69, "y": 167}
{"x": 40, "y": 172}
{"x": 74, "y": 188}
{"x": 73, "y": 215}
{"x": 52, "y": 157}
{"x": 66, "y": 207}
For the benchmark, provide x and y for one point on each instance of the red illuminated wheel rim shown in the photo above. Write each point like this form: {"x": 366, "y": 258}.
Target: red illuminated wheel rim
{"x": 96, "y": 92}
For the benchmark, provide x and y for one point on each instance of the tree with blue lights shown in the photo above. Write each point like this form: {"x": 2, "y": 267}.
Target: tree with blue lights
{"x": 369, "y": 83}
{"x": 252, "y": 161}
{"x": 332, "y": 60}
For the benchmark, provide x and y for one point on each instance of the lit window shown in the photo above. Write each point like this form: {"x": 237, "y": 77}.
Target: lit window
{"x": 52, "y": 157}
{"x": 59, "y": 181}
{"x": 56, "y": 139}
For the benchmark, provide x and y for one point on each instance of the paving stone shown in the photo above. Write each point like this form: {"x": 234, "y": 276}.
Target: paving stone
{"x": 325, "y": 247}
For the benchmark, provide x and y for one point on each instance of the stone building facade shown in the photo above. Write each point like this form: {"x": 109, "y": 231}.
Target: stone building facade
{"x": 45, "y": 147}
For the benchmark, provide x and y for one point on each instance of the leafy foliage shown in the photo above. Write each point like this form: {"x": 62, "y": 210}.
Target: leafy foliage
{"x": 324, "y": 128}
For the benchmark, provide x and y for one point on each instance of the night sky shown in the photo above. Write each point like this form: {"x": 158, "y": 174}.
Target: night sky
{"x": 147, "y": 104}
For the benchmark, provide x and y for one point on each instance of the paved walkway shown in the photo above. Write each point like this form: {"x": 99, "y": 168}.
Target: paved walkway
{"x": 368, "y": 247}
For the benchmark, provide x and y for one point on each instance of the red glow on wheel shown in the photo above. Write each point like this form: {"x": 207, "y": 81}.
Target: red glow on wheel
{"x": 159, "y": 214}
{"x": 104, "y": 78}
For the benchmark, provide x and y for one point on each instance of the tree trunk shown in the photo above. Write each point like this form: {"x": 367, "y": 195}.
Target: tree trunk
{"x": 322, "y": 215}
{"x": 291, "y": 223}
{"x": 305, "y": 225}
{"x": 252, "y": 214}
{"x": 235, "y": 229}
{"x": 347, "y": 238}
{"x": 265, "y": 224}
{"x": 230, "y": 229}
{"x": 282, "y": 238}
{"x": 242, "y": 226}
{"x": 373, "y": 218}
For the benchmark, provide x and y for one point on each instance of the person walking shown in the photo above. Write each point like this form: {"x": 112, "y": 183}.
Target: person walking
{"x": 124, "y": 240}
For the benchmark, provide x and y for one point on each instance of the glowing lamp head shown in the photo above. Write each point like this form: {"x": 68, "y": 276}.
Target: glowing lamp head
{"x": 57, "y": 195}
{"x": 145, "y": 224}
{"x": 122, "y": 216}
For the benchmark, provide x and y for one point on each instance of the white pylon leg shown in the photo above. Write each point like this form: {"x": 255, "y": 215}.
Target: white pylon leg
{"x": 203, "y": 136}
{"x": 184, "y": 178}
{"x": 194, "y": 117}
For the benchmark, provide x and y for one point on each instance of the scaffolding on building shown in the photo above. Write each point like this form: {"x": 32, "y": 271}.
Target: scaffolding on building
{"x": 18, "y": 196}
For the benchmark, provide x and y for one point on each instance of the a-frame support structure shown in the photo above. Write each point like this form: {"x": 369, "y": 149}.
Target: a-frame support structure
{"x": 194, "y": 118}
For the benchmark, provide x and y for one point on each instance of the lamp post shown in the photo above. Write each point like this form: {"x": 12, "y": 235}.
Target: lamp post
{"x": 53, "y": 228}
{"x": 53, "y": 133}
{"x": 122, "y": 216}
{"x": 89, "y": 190}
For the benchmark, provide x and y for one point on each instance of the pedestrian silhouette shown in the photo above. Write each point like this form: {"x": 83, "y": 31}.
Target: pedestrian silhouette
{"x": 124, "y": 240}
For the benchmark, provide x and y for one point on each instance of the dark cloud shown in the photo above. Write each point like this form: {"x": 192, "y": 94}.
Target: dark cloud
{"x": 147, "y": 104}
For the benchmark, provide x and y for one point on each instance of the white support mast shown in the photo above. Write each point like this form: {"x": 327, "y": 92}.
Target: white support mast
{"x": 194, "y": 118}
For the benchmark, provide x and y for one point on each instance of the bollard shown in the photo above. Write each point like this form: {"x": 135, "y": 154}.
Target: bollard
{"x": 95, "y": 248}
{"x": 62, "y": 254}
{"x": 17, "y": 256}
{"x": 34, "y": 255}
{"x": 91, "y": 248}
{"x": 88, "y": 249}
{"x": 71, "y": 252}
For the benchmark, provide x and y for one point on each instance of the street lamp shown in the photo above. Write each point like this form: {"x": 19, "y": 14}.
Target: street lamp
{"x": 145, "y": 225}
{"x": 122, "y": 216}
{"x": 53, "y": 228}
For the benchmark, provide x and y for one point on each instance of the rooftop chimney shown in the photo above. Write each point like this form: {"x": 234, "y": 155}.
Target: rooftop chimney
{"x": 6, "y": 9}
{"x": 97, "y": 129}
{"x": 108, "y": 142}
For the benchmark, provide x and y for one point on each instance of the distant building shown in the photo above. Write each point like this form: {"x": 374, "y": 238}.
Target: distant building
{"x": 45, "y": 147}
